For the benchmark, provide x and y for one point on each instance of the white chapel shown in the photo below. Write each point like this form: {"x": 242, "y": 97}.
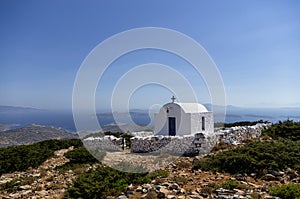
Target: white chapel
{"x": 178, "y": 119}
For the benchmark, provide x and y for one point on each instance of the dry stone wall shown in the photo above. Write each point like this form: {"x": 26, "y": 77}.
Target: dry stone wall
{"x": 195, "y": 144}
{"x": 177, "y": 145}
{"x": 107, "y": 143}
{"x": 238, "y": 134}
{"x": 189, "y": 145}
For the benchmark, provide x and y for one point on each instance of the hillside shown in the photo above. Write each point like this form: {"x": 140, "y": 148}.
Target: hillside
{"x": 32, "y": 134}
{"x": 265, "y": 168}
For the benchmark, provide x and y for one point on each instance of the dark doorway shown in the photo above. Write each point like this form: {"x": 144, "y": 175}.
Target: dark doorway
{"x": 172, "y": 126}
{"x": 203, "y": 123}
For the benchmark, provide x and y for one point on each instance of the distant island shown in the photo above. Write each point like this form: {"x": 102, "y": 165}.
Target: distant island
{"x": 32, "y": 134}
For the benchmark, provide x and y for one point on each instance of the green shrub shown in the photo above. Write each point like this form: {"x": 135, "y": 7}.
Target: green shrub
{"x": 254, "y": 157}
{"x": 290, "y": 191}
{"x": 128, "y": 167}
{"x": 159, "y": 173}
{"x": 220, "y": 146}
{"x": 151, "y": 195}
{"x": 20, "y": 158}
{"x": 13, "y": 185}
{"x": 284, "y": 130}
{"x": 180, "y": 179}
{"x": 10, "y": 186}
{"x": 244, "y": 123}
{"x": 81, "y": 156}
{"x": 229, "y": 184}
{"x": 103, "y": 182}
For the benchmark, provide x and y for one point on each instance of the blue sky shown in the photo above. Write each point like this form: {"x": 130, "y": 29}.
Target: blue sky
{"x": 255, "y": 45}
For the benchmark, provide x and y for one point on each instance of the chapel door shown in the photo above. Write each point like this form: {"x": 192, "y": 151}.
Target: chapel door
{"x": 172, "y": 126}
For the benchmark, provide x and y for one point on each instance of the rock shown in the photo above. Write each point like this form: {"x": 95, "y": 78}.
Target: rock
{"x": 224, "y": 197}
{"x": 139, "y": 189}
{"x": 269, "y": 177}
{"x": 273, "y": 172}
{"x": 147, "y": 186}
{"x": 194, "y": 193}
{"x": 129, "y": 192}
{"x": 264, "y": 188}
{"x": 122, "y": 197}
{"x": 25, "y": 187}
{"x": 236, "y": 196}
{"x": 166, "y": 184}
{"x": 271, "y": 197}
{"x": 151, "y": 194}
{"x": 163, "y": 192}
{"x": 194, "y": 197}
{"x": 145, "y": 190}
{"x": 171, "y": 196}
{"x": 161, "y": 195}
{"x": 130, "y": 187}
{"x": 14, "y": 195}
{"x": 182, "y": 191}
{"x": 157, "y": 187}
{"x": 253, "y": 185}
{"x": 42, "y": 193}
{"x": 174, "y": 186}
{"x": 239, "y": 191}
{"x": 25, "y": 193}
{"x": 281, "y": 173}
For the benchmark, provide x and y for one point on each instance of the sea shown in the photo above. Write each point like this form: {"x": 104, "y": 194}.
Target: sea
{"x": 64, "y": 119}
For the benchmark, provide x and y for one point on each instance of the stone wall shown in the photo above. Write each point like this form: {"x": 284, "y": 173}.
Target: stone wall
{"x": 108, "y": 143}
{"x": 176, "y": 145}
{"x": 238, "y": 134}
{"x": 195, "y": 144}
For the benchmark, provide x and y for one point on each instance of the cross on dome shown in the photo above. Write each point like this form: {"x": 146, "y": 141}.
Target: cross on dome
{"x": 173, "y": 99}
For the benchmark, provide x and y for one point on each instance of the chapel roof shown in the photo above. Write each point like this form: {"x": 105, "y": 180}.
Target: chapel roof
{"x": 192, "y": 107}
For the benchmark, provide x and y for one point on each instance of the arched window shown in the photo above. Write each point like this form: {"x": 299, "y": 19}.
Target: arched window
{"x": 203, "y": 123}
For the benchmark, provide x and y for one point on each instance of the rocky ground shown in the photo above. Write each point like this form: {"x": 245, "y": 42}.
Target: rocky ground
{"x": 182, "y": 182}
{"x": 42, "y": 182}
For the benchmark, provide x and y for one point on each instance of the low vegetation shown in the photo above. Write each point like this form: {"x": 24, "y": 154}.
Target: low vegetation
{"x": 105, "y": 181}
{"x": 254, "y": 157}
{"x": 242, "y": 123}
{"x": 286, "y": 191}
{"x": 20, "y": 158}
{"x": 279, "y": 153}
{"x": 11, "y": 185}
{"x": 80, "y": 156}
{"x": 284, "y": 130}
{"x": 257, "y": 157}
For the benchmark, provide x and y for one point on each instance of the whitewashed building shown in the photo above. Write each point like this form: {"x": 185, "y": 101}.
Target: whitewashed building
{"x": 178, "y": 119}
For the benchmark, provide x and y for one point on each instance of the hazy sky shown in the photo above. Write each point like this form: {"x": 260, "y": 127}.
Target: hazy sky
{"x": 255, "y": 45}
